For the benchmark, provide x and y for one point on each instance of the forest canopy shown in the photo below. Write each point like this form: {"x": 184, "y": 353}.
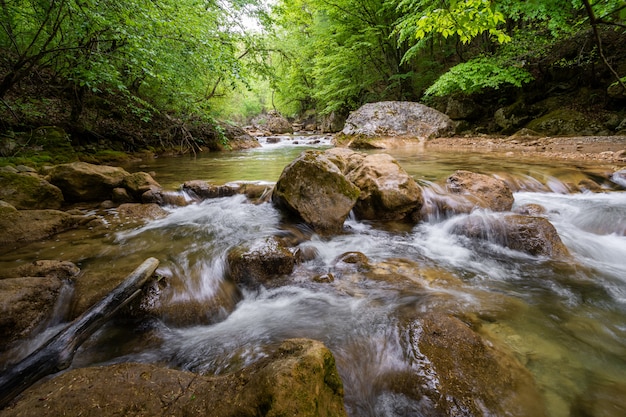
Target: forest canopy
{"x": 202, "y": 57}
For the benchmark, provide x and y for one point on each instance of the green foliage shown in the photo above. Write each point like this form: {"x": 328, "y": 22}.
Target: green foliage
{"x": 478, "y": 74}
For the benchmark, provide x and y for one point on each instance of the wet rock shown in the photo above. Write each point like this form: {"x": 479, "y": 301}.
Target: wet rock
{"x": 314, "y": 188}
{"x": 138, "y": 183}
{"x": 531, "y": 210}
{"x": 397, "y": 118}
{"x": 324, "y": 278}
{"x": 457, "y": 373}
{"x": 483, "y": 190}
{"x": 387, "y": 191}
{"x": 299, "y": 377}
{"x": 202, "y": 190}
{"x": 164, "y": 198}
{"x": 136, "y": 211}
{"x": 80, "y": 181}
{"x": 26, "y": 304}
{"x": 619, "y": 178}
{"x": 533, "y": 235}
{"x": 589, "y": 185}
{"x": 43, "y": 268}
{"x": 27, "y": 192}
{"x": 260, "y": 263}
{"x": 277, "y": 124}
{"x": 33, "y": 225}
{"x": 171, "y": 301}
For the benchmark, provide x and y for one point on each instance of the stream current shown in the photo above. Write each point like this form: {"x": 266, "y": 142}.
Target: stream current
{"x": 564, "y": 321}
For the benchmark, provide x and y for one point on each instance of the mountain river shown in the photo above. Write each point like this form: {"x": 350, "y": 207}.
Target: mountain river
{"x": 564, "y": 321}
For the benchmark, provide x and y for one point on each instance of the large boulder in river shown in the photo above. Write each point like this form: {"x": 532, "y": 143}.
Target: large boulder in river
{"x": 81, "y": 181}
{"x": 457, "y": 373}
{"x": 533, "y": 235}
{"x": 314, "y": 188}
{"x": 26, "y": 304}
{"x": 397, "y": 118}
{"x": 297, "y": 378}
{"x": 26, "y": 191}
{"x": 387, "y": 191}
{"x": 483, "y": 190}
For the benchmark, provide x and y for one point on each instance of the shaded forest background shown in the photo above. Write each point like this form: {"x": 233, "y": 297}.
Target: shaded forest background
{"x": 137, "y": 75}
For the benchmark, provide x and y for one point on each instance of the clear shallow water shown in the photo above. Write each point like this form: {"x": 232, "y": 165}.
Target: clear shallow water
{"x": 564, "y": 320}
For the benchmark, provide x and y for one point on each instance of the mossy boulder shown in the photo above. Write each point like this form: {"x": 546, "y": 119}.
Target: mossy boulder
{"x": 21, "y": 226}
{"x": 26, "y": 191}
{"x": 296, "y": 378}
{"x": 566, "y": 122}
{"x": 80, "y": 181}
{"x": 313, "y": 188}
{"x": 138, "y": 183}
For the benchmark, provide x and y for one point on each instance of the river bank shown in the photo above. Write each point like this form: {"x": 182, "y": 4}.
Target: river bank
{"x": 583, "y": 148}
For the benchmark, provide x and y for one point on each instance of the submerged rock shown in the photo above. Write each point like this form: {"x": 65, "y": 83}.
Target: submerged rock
{"x": 81, "y": 181}
{"x": 314, "y": 188}
{"x": 483, "y": 190}
{"x": 457, "y": 373}
{"x": 29, "y": 192}
{"x": 397, "y": 118}
{"x": 43, "y": 268}
{"x": 298, "y": 378}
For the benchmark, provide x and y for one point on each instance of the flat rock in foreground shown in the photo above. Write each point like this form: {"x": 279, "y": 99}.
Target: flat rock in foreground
{"x": 298, "y": 378}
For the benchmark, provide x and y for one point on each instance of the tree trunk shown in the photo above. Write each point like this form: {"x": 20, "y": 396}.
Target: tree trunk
{"x": 57, "y": 354}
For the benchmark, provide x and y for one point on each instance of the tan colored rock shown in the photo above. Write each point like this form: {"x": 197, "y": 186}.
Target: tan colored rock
{"x": 387, "y": 191}
{"x": 277, "y": 124}
{"x": 314, "y": 188}
{"x": 81, "y": 181}
{"x": 33, "y": 225}
{"x": 26, "y": 304}
{"x": 483, "y": 190}
{"x": 299, "y": 378}
{"x": 135, "y": 211}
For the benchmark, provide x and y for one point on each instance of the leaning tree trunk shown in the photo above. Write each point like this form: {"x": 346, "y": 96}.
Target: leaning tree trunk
{"x": 57, "y": 354}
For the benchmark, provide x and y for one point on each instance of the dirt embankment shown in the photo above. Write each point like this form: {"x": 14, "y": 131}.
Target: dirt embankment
{"x": 584, "y": 148}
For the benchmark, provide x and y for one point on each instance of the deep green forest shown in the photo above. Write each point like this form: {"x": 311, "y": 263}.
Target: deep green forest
{"x": 146, "y": 74}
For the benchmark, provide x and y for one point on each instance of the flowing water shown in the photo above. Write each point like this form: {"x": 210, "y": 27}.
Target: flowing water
{"x": 564, "y": 320}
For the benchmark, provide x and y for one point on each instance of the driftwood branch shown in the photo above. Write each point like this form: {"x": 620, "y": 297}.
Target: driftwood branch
{"x": 57, "y": 354}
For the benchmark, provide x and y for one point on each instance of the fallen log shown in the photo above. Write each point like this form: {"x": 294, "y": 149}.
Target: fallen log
{"x": 57, "y": 353}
